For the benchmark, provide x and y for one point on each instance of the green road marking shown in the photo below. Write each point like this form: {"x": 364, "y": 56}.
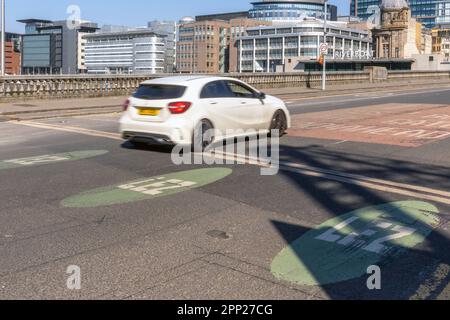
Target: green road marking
{"x": 147, "y": 188}
{"x": 343, "y": 248}
{"x": 51, "y": 158}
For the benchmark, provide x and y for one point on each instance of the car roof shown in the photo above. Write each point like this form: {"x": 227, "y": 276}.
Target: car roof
{"x": 186, "y": 80}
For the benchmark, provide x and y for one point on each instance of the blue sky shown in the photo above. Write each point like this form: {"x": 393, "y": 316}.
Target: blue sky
{"x": 131, "y": 12}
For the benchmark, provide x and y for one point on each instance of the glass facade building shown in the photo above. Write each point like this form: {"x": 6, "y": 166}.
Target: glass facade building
{"x": 425, "y": 11}
{"x": 42, "y": 52}
{"x": 52, "y": 47}
{"x": 289, "y": 10}
{"x": 443, "y": 13}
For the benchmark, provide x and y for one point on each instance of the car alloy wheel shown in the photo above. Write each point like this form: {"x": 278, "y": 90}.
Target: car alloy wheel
{"x": 203, "y": 136}
{"x": 279, "y": 123}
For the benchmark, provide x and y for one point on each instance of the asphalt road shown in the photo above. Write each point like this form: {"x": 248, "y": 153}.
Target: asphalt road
{"x": 364, "y": 181}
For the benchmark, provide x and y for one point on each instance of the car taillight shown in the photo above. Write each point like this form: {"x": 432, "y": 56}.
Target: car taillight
{"x": 179, "y": 107}
{"x": 126, "y": 105}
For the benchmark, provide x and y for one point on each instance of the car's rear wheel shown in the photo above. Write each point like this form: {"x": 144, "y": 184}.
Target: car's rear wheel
{"x": 279, "y": 122}
{"x": 203, "y": 136}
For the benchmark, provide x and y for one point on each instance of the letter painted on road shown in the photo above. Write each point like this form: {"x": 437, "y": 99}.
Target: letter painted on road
{"x": 147, "y": 188}
{"x": 49, "y": 159}
{"x": 344, "y": 247}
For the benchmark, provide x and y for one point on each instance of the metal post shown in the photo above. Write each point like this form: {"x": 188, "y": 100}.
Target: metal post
{"x": 324, "y": 73}
{"x": 3, "y": 40}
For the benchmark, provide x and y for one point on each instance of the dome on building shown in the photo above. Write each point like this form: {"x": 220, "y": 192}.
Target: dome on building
{"x": 394, "y": 4}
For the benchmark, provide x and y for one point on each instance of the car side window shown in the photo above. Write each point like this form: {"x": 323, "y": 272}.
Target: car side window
{"x": 240, "y": 91}
{"x": 216, "y": 89}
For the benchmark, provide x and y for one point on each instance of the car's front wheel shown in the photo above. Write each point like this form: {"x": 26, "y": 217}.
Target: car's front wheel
{"x": 203, "y": 136}
{"x": 279, "y": 123}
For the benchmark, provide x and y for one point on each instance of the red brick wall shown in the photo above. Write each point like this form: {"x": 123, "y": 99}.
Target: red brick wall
{"x": 12, "y": 59}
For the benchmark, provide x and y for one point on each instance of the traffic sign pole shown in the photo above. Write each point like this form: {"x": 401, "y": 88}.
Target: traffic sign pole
{"x": 324, "y": 72}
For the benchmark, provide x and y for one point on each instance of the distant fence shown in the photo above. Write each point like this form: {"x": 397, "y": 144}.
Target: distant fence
{"x": 35, "y": 87}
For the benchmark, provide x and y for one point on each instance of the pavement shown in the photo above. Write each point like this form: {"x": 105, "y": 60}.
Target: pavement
{"x": 363, "y": 182}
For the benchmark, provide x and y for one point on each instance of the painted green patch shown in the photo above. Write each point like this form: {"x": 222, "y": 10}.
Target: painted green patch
{"x": 343, "y": 248}
{"x": 49, "y": 159}
{"x": 147, "y": 188}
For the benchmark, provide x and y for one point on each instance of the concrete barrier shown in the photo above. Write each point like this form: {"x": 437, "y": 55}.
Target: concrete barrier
{"x": 70, "y": 86}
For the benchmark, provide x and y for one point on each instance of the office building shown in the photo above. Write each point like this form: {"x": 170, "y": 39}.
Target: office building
{"x": 223, "y": 16}
{"x": 295, "y": 47}
{"x": 54, "y": 47}
{"x": 291, "y": 10}
{"x": 126, "y": 52}
{"x": 209, "y": 46}
{"x": 202, "y": 47}
{"x": 169, "y": 30}
{"x": 443, "y": 13}
{"x": 423, "y": 10}
{"x": 12, "y": 53}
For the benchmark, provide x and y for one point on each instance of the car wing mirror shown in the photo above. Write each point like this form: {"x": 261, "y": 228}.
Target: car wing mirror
{"x": 261, "y": 96}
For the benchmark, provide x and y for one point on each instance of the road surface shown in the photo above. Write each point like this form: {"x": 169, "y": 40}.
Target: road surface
{"x": 364, "y": 182}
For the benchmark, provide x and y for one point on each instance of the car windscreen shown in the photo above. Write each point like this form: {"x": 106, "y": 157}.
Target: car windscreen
{"x": 159, "y": 92}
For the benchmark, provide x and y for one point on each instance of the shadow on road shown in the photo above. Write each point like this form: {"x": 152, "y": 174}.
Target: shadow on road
{"x": 404, "y": 271}
{"x": 161, "y": 148}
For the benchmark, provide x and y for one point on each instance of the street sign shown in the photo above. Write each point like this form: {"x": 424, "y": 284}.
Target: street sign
{"x": 323, "y": 48}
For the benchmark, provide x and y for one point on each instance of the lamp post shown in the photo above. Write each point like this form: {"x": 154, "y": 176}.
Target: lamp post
{"x": 3, "y": 40}
{"x": 324, "y": 72}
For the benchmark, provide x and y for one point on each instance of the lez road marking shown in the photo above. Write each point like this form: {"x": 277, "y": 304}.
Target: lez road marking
{"x": 367, "y": 182}
{"x": 157, "y": 186}
{"x": 342, "y": 248}
{"x": 147, "y": 188}
{"x": 49, "y": 159}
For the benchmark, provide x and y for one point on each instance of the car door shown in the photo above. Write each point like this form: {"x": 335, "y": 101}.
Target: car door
{"x": 250, "y": 110}
{"x": 222, "y": 107}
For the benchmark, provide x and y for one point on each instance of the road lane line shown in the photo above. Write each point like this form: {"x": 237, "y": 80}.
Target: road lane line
{"x": 359, "y": 180}
{"x": 324, "y": 99}
{"x": 84, "y": 131}
{"x": 367, "y": 182}
{"x": 361, "y": 94}
{"x": 368, "y": 179}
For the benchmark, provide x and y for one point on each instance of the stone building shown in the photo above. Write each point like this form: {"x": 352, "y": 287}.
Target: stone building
{"x": 399, "y": 36}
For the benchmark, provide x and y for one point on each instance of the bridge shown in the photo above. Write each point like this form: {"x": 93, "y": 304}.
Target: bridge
{"x": 74, "y": 86}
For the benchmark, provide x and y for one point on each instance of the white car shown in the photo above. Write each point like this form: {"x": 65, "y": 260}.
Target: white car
{"x": 169, "y": 110}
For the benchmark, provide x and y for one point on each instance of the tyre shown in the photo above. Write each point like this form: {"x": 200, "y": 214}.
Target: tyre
{"x": 279, "y": 122}
{"x": 203, "y": 136}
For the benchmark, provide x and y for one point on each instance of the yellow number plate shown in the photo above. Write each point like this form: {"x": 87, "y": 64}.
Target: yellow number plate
{"x": 149, "y": 112}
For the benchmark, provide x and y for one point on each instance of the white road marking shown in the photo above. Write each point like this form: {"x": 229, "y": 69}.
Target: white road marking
{"x": 362, "y": 181}
{"x": 359, "y": 180}
{"x": 362, "y": 98}
{"x": 88, "y": 132}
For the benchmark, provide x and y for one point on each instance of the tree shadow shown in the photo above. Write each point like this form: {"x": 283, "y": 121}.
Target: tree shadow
{"x": 406, "y": 273}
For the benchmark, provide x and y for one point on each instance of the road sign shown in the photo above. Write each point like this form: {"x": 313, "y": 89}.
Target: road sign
{"x": 323, "y": 48}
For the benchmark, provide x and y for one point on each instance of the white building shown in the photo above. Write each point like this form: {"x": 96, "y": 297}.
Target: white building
{"x": 128, "y": 52}
{"x": 266, "y": 49}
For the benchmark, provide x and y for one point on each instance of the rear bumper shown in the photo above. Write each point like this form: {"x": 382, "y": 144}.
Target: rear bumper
{"x": 176, "y": 131}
